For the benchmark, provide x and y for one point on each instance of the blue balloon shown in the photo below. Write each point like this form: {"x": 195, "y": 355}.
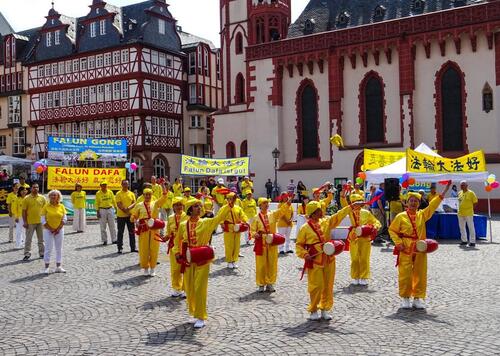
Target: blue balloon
{"x": 127, "y": 165}
{"x": 130, "y": 170}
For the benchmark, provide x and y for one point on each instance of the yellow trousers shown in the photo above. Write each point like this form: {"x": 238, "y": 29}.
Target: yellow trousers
{"x": 320, "y": 287}
{"x": 360, "y": 250}
{"x": 266, "y": 266}
{"x": 175, "y": 273}
{"x": 412, "y": 276}
{"x": 232, "y": 246}
{"x": 148, "y": 249}
{"x": 196, "y": 286}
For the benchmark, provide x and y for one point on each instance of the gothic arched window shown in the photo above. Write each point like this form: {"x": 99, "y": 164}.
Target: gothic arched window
{"x": 372, "y": 109}
{"x": 307, "y": 125}
{"x": 452, "y": 115}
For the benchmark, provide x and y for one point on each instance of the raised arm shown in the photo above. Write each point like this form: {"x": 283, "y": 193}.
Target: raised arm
{"x": 334, "y": 220}
{"x": 434, "y": 203}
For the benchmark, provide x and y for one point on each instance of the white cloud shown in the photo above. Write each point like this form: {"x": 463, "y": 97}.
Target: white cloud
{"x": 199, "y": 17}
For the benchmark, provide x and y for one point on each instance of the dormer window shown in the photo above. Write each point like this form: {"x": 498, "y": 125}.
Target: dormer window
{"x": 379, "y": 12}
{"x": 57, "y": 37}
{"x": 93, "y": 29}
{"x": 97, "y": 11}
{"x": 343, "y": 18}
{"x": 309, "y": 26}
{"x": 48, "y": 39}
{"x": 161, "y": 26}
{"x": 102, "y": 27}
{"x": 418, "y": 6}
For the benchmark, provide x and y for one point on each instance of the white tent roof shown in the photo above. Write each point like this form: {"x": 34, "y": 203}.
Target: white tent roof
{"x": 397, "y": 169}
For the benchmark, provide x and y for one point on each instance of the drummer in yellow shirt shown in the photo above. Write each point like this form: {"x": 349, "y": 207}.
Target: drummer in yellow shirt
{"x": 285, "y": 224}
{"x": 173, "y": 224}
{"x": 249, "y": 206}
{"x": 325, "y": 202}
{"x": 232, "y": 235}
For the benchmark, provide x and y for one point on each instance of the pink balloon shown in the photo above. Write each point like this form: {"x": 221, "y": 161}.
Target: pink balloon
{"x": 495, "y": 185}
{"x": 133, "y": 166}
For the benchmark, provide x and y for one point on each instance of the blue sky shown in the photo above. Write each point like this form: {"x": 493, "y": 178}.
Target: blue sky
{"x": 204, "y": 21}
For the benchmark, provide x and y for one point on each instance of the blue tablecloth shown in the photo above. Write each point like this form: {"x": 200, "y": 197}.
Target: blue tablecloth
{"x": 445, "y": 226}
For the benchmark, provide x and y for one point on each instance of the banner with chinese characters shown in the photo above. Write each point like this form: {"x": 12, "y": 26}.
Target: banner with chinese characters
{"x": 374, "y": 159}
{"x": 64, "y": 178}
{"x": 197, "y": 166}
{"x": 87, "y": 149}
{"x": 421, "y": 163}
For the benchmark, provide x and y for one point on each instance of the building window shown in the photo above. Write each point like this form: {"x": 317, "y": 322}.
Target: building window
{"x": 61, "y": 68}
{"x": 41, "y": 71}
{"x": 198, "y": 54}
{"x": 108, "y": 92}
{"x": 116, "y": 57}
{"x": 201, "y": 94}
{"x": 239, "y": 89}
{"x": 170, "y": 128}
{"x": 93, "y": 94}
{"x": 163, "y": 61}
{"x": 116, "y": 91}
{"x": 57, "y": 37}
{"x": 19, "y": 141}
{"x": 3, "y": 142}
{"x": 452, "y": 109}
{"x": 93, "y": 29}
{"x": 487, "y": 98}
{"x": 102, "y": 27}
{"x": 50, "y": 102}
{"x": 239, "y": 43}
{"x": 55, "y": 69}
{"x": 159, "y": 167}
{"x": 48, "y": 39}
{"x": 260, "y": 34}
{"x": 130, "y": 125}
{"x": 230, "y": 150}
{"x": 85, "y": 95}
{"x": 69, "y": 67}
{"x": 170, "y": 92}
{"x": 244, "y": 149}
{"x": 192, "y": 63}
{"x": 373, "y": 122}
{"x": 91, "y": 62}
{"x": 161, "y": 91}
{"x": 307, "y": 128}
{"x": 43, "y": 101}
{"x": 78, "y": 96}
{"x": 76, "y": 66}
{"x": 161, "y": 26}
{"x": 125, "y": 56}
{"x": 48, "y": 70}
{"x": 125, "y": 93}
{"x": 83, "y": 64}
{"x": 205, "y": 62}
{"x": 192, "y": 93}
{"x": 217, "y": 68}
{"x": 100, "y": 93}
{"x": 71, "y": 97}
{"x": 379, "y": 12}
{"x": 57, "y": 101}
{"x": 99, "y": 60}
{"x": 121, "y": 126}
{"x": 14, "y": 109}
{"x": 195, "y": 121}
{"x": 105, "y": 128}
{"x": 107, "y": 59}
{"x": 154, "y": 90}
{"x": 98, "y": 130}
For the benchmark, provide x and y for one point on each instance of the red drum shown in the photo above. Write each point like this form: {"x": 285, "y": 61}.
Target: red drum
{"x": 240, "y": 227}
{"x": 427, "y": 245}
{"x": 333, "y": 247}
{"x": 156, "y": 224}
{"x": 199, "y": 254}
{"x": 275, "y": 239}
{"x": 365, "y": 231}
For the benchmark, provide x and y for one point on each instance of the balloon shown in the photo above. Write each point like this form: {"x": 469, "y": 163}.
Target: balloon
{"x": 363, "y": 167}
{"x": 405, "y": 176}
{"x": 362, "y": 175}
{"x": 495, "y": 185}
{"x": 411, "y": 181}
{"x": 492, "y": 176}
{"x": 44, "y": 161}
{"x": 401, "y": 180}
{"x": 405, "y": 184}
{"x": 37, "y": 164}
{"x": 488, "y": 188}
{"x": 490, "y": 179}
{"x": 130, "y": 170}
{"x": 133, "y": 166}
{"x": 45, "y": 168}
{"x": 39, "y": 169}
{"x": 359, "y": 180}
{"x": 127, "y": 165}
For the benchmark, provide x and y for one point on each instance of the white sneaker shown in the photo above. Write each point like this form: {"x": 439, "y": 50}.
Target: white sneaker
{"x": 405, "y": 303}
{"x": 314, "y": 316}
{"x": 325, "y": 315}
{"x": 199, "y": 324}
{"x": 363, "y": 282}
{"x": 229, "y": 265}
{"x": 152, "y": 272}
{"x": 270, "y": 288}
{"x": 355, "y": 282}
{"x": 46, "y": 270}
{"x": 176, "y": 294}
{"x": 145, "y": 271}
{"x": 235, "y": 265}
{"x": 60, "y": 270}
{"x": 261, "y": 289}
{"x": 419, "y": 303}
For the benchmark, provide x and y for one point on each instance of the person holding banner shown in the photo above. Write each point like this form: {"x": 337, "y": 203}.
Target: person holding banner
{"x": 79, "y": 200}
{"x": 125, "y": 202}
{"x": 359, "y": 244}
{"x": 406, "y": 229}
{"x": 195, "y": 234}
{"x": 320, "y": 267}
{"x": 266, "y": 255}
{"x": 231, "y": 226}
{"x": 104, "y": 205}
{"x": 32, "y": 209}
{"x": 11, "y": 198}
{"x": 249, "y": 207}
{"x": 173, "y": 225}
{"x": 143, "y": 214}
{"x": 53, "y": 220}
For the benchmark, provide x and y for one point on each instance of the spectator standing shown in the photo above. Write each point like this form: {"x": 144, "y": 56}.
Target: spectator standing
{"x": 378, "y": 207}
{"x": 211, "y": 183}
{"x": 79, "y": 201}
{"x": 17, "y": 210}
{"x": 466, "y": 201}
{"x": 11, "y": 198}
{"x": 301, "y": 191}
{"x": 53, "y": 217}
{"x": 290, "y": 188}
{"x": 269, "y": 188}
{"x": 220, "y": 198}
{"x": 125, "y": 201}
{"x": 22, "y": 182}
{"x": 104, "y": 204}
{"x": 32, "y": 211}
{"x": 454, "y": 191}
{"x": 177, "y": 187}
{"x": 246, "y": 184}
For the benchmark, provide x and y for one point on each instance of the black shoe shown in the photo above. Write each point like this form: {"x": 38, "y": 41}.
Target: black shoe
{"x": 41, "y": 257}
{"x": 463, "y": 243}
{"x": 105, "y": 243}
{"x": 282, "y": 253}
{"x": 289, "y": 251}
{"x": 119, "y": 252}
{"x": 472, "y": 245}
{"x": 26, "y": 258}
{"x": 114, "y": 242}
{"x": 157, "y": 263}
{"x": 133, "y": 251}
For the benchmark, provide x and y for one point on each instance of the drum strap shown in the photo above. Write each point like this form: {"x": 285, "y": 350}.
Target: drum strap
{"x": 171, "y": 241}
{"x": 319, "y": 234}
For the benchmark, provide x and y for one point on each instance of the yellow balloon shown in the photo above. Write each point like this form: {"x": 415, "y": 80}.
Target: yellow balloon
{"x": 363, "y": 167}
{"x": 490, "y": 180}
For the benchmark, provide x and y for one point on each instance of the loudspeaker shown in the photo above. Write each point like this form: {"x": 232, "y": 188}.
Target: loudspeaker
{"x": 391, "y": 189}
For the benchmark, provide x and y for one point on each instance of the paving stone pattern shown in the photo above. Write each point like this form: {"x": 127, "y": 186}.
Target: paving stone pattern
{"x": 104, "y": 306}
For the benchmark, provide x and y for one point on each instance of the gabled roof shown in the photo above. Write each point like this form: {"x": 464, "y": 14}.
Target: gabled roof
{"x": 326, "y": 15}
{"x": 5, "y": 27}
{"x": 189, "y": 41}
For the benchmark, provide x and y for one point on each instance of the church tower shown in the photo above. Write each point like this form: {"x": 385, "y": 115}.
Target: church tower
{"x": 245, "y": 23}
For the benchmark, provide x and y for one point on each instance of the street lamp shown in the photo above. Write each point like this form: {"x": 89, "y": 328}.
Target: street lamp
{"x": 276, "y": 155}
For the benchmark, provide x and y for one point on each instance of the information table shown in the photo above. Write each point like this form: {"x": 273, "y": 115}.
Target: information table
{"x": 445, "y": 226}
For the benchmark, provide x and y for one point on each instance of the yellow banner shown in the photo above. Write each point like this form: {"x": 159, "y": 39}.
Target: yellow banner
{"x": 422, "y": 163}
{"x": 197, "y": 166}
{"x": 64, "y": 178}
{"x": 374, "y": 159}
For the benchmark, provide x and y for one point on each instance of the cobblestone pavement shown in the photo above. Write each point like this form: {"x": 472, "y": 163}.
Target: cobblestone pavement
{"x": 103, "y": 306}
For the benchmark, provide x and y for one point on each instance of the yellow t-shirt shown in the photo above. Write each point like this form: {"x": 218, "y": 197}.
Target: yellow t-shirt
{"x": 104, "y": 200}
{"x": 245, "y": 185}
{"x": 25, "y": 185}
{"x": 11, "y": 198}
{"x": 157, "y": 190}
{"x": 249, "y": 207}
{"x": 396, "y": 206}
{"x": 33, "y": 206}
{"x": 126, "y": 198}
{"x": 53, "y": 214}
{"x": 79, "y": 199}
{"x": 466, "y": 203}
{"x": 177, "y": 188}
{"x": 16, "y": 207}
{"x": 170, "y": 198}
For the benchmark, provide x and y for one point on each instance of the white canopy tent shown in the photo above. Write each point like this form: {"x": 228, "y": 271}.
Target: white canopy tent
{"x": 397, "y": 169}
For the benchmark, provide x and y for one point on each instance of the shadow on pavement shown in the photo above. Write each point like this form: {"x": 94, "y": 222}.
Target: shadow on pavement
{"x": 12, "y": 263}
{"x": 132, "y": 281}
{"x": 257, "y": 296}
{"x": 182, "y": 332}
{"x": 127, "y": 269}
{"x": 88, "y": 247}
{"x": 109, "y": 255}
{"x": 316, "y": 327}
{"x": 170, "y": 303}
{"x": 224, "y": 272}
{"x": 355, "y": 289}
{"x": 218, "y": 261}
{"x": 414, "y": 316}
{"x": 30, "y": 278}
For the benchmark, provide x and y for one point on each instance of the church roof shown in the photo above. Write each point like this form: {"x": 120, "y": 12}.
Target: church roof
{"x": 329, "y": 15}
{"x": 189, "y": 40}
